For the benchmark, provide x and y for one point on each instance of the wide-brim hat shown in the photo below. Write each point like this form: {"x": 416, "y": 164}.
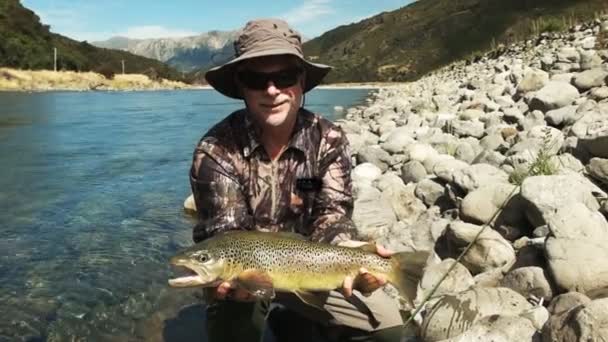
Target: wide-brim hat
{"x": 264, "y": 37}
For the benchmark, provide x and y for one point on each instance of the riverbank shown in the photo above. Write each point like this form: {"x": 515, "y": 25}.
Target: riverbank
{"x": 46, "y": 80}
{"x": 508, "y": 153}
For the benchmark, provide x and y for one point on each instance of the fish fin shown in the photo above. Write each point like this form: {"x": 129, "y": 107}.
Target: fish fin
{"x": 258, "y": 283}
{"x": 311, "y": 299}
{"x": 408, "y": 268}
{"x": 369, "y": 247}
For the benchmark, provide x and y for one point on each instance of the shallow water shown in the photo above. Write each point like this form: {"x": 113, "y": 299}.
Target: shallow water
{"x": 91, "y": 190}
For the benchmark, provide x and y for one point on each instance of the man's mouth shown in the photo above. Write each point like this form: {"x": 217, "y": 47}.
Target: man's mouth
{"x": 273, "y": 105}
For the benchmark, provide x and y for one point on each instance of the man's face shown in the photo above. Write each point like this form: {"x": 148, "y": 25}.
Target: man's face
{"x": 279, "y": 96}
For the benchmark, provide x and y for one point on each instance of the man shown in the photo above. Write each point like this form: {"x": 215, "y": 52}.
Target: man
{"x": 274, "y": 166}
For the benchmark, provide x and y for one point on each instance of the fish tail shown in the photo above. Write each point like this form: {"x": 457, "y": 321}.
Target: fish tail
{"x": 408, "y": 268}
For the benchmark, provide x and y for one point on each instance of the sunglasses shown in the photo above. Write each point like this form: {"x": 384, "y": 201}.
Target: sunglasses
{"x": 259, "y": 80}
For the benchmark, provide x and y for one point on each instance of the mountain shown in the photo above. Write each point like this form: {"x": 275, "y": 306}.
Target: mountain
{"x": 407, "y": 43}
{"x": 186, "y": 54}
{"x": 25, "y": 43}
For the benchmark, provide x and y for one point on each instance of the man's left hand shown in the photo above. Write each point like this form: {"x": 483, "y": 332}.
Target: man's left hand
{"x": 364, "y": 282}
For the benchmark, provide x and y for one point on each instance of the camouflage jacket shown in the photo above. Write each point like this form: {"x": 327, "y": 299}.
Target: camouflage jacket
{"x": 307, "y": 190}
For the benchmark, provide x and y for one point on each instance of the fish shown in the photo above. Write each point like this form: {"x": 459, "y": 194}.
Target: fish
{"x": 264, "y": 262}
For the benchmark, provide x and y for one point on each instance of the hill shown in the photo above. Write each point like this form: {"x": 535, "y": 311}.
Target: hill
{"x": 25, "y": 43}
{"x": 407, "y": 43}
{"x": 185, "y": 54}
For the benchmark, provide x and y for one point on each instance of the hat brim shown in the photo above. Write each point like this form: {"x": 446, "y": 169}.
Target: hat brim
{"x": 222, "y": 78}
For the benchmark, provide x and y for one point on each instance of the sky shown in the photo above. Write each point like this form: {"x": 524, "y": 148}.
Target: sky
{"x": 100, "y": 20}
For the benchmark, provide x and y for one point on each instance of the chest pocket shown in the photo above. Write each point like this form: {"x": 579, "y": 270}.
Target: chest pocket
{"x": 305, "y": 189}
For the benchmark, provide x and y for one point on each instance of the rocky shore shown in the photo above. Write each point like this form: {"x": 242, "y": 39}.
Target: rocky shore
{"x": 45, "y": 80}
{"x": 508, "y": 153}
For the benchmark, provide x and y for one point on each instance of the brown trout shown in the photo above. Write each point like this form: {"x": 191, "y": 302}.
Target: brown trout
{"x": 263, "y": 263}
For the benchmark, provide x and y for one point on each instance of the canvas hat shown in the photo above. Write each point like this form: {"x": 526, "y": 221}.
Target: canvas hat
{"x": 264, "y": 37}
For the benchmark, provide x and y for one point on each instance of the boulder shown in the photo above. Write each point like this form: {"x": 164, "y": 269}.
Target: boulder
{"x": 372, "y": 214}
{"x": 529, "y": 281}
{"x": 553, "y": 95}
{"x": 477, "y": 175}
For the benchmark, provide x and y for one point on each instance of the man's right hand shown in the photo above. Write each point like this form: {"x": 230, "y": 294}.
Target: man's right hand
{"x": 228, "y": 291}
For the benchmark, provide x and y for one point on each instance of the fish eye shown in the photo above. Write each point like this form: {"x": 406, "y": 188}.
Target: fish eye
{"x": 203, "y": 257}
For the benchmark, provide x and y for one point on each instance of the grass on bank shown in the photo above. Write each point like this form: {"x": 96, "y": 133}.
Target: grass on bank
{"x": 38, "y": 80}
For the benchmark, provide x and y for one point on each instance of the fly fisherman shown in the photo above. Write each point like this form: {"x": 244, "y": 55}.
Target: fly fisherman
{"x": 275, "y": 166}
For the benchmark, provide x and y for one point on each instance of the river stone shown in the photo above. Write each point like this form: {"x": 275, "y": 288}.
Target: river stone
{"x": 592, "y": 132}
{"x": 428, "y": 229}
{"x": 599, "y": 94}
{"x": 419, "y": 151}
{"x": 375, "y": 155}
{"x": 533, "y": 80}
{"x": 478, "y": 175}
{"x": 445, "y": 168}
{"x": 365, "y": 174}
{"x": 598, "y": 169}
{"x": 405, "y": 204}
{"x": 481, "y": 205}
{"x": 413, "y": 172}
{"x": 498, "y": 328}
{"x": 430, "y": 192}
{"x": 557, "y": 116}
{"x": 553, "y": 95}
{"x": 490, "y": 251}
{"x": 454, "y": 314}
{"x": 459, "y": 279}
{"x": 372, "y": 213}
{"x": 583, "y": 323}
{"x": 398, "y": 140}
{"x": 576, "y": 249}
{"x": 544, "y": 195}
{"x": 463, "y": 128}
{"x": 529, "y": 281}
{"x": 590, "y": 79}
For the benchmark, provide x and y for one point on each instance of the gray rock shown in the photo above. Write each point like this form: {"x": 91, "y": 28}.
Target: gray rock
{"x": 590, "y": 79}
{"x": 413, "y": 172}
{"x": 428, "y": 229}
{"x": 490, "y": 251}
{"x": 454, "y": 314}
{"x": 401, "y": 197}
{"x": 586, "y": 322}
{"x": 498, "y": 328}
{"x": 375, "y": 155}
{"x": 546, "y": 194}
{"x": 484, "y": 204}
{"x": 576, "y": 249}
{"x": 478, "y": 175}
{"x": 592, "y": 132}
{"x": 446, "y": 167}
{"x": 458, "y": 280}
{"x": 598, "y": 169}
{"x": 365, "y": 174}
{"x": 372, "y": 214}
{"x": 554, "y": 95}
{"x": 397, "y": 140}
{"x": 430, "y": 192}
{"x": 419, "y": 151}
{"x": 465, "y": 152}
{"x": 467, "y": 128}
{"x": 558, "y": 116}
{"x": 599, "y": 94}
{"x": 471, "y": 114}
{"x": 529, "y": 281}
{"x": 533, "y": 80}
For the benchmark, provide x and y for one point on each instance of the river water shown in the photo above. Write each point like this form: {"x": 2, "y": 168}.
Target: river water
{"x": 91, "y": 192}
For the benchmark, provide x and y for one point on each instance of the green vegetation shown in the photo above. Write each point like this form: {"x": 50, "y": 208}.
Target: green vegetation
{"x": 540, "y": 166}
{"x": 427, "y": 34}
{"x": 25, "y": 43}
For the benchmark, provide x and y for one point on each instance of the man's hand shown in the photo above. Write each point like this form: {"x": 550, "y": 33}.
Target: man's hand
{"x": 364, "y": 282}
{"x": 227, "y": 290}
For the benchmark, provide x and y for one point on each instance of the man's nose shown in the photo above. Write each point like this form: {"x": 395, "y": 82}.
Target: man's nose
{"x": 272, "y": 89}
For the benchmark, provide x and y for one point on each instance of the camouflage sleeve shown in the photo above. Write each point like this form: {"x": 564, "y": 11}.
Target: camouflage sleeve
{"x": 333, "y": 205}
{"x": 219, "y": 199}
